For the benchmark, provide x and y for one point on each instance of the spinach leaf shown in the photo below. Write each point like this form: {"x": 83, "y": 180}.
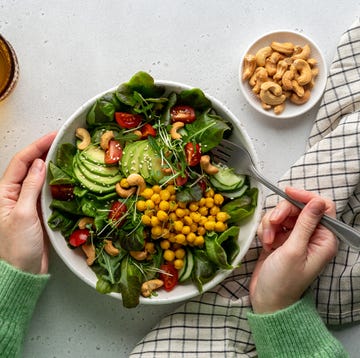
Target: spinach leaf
{"x": 130, "y": 283}
{"x": 59, "y": 176}
{"x": 214, "y": 249}
{"x": 71, "y": 207}
{"x": 165, "y": 115}
{"x": 142, "y": 83}
{"x": 59, "y": 221}
{"x": 204, "y": 269}
{"x": 243, "y": 207}
{"x": 134, "y": 241}
{"x": 195, "y": 98}
{"x": 189, "y": 194}
{"x": 208, "y": 130}
{"x": 65, "y": 156}
{"x": 103, "y": 110}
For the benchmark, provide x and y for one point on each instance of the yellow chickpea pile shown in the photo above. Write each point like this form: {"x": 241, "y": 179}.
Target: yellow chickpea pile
{"x": 178, "y": 224}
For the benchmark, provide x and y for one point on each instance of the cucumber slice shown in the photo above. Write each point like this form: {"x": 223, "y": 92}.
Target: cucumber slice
{"x": 236, "y": 193}
{"x": 227, "y": 180}
{"x": 185, "y": 272}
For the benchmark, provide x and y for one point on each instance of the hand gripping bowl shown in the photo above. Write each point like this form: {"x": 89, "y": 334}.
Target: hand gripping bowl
{"x": 75, "y": 259}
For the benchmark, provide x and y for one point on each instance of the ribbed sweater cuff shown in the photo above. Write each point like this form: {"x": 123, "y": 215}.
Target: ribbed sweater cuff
{"x": 296, "y": 331}
{"x": 19, "y": 292}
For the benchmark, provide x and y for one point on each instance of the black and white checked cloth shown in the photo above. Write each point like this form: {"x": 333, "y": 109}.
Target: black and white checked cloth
{"x": 214, "y": 324}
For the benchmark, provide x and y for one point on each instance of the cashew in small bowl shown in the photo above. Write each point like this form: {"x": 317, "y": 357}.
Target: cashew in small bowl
{"x": 303, "y": 75}
{"x": 84, "y": 136}
{"x": 271, "y": 93}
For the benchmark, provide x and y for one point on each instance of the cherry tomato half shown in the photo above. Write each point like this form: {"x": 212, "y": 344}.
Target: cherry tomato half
{"x": 117, "y": 211}
{"x": 127, "y": 120}
{"x": 181, "y": 180}
{"x": 170, "y": 276}
{"x": 114, "y": 153}
{"x": 181, "y": 113}
{"x": 147, "y": 130}
{"x": 79, "y": 237}
{"x": 64, "y": 192}
{"x": 192, "y": 154}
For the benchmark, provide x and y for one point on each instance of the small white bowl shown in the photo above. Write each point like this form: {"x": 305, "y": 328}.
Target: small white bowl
{"x": 291, "y": 110}
{"x": 75, "y": 260}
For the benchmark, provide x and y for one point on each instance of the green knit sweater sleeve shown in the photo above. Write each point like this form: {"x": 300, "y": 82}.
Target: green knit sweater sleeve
{"x": 296, "y": 331}
{"x": 19, "y": 292}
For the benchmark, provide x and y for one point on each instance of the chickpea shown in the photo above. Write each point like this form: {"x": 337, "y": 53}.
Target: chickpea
{"x": 186, "y": 230}
{"x": 199, "y": 241}
{"x": 180, "y": 253}
{"x": 147, "y": 193}
{"x": 179, "y": 264}
{"x": 165, "y": 244}
{"x": 156, "y": 189}
{"x": 164, "y": 205}
{"x": 169, "y": 255}
{"x": 219, "y": 226}
{"x": 218, "y": 199}
{"x": 141, "y": 205}
{"x": 146, "y": 220}
{"x": 165, "y": 194}
{"x": 162, "y": 216}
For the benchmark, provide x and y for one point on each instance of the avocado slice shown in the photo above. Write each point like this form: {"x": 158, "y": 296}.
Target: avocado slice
{"x": 98, "y": 169}
{"x": 90, "y": 185}
{"x": 94, "y": 154}
{"x": 96, "y": 178}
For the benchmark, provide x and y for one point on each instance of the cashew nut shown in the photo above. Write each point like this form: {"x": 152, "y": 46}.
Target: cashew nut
{"x": 149, "y": 286}
{"x": 304, "y": 53}
{"x": 84, "y": 136}
{"x": 279, "y": 108}
{"x": 89, "y": 250}
{"x": 304, "y": 74}
{"x": 105, "y": 139}
{"x": 206, "y": 166}
{"x": 286, "y": 48}
{"x": 281, "y": 68}
{"x": 122, "y": 192}
{"x": 110, "y": 248}
{"x": 287, "y": 79}
{"x": 261, "y": 76}
{"x": 299, "y": 90}
{"x": 271, "y": 93}
{"x": 294, "y": 98}
{"x": 312, "y": 62}
{"x": 137, "y": 180}
{"x": 139, "y": 255}
{"x": 249, "y": 66}
{"x": 174, "y": 130}
{"x": 83, "y": 222}
{"x": 126, "y": 188}
{"x": 271, "y": 62}
{"x": 262, "y": 54}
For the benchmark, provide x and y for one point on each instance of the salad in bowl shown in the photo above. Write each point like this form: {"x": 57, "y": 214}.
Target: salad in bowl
{"x": 135, "y": 204}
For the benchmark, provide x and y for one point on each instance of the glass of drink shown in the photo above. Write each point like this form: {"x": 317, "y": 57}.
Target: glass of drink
{"x": 9, "y": 68}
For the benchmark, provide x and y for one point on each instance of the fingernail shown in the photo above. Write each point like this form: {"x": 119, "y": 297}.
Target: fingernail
{"x": 317, "y": 207}
{"x": 275, "y": 214}
{"x": 37, "y": 166}
{"x": 267, "y": 236}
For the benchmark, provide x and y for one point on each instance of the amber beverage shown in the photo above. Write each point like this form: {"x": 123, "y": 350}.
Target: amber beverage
{"x": 9, "y": 68}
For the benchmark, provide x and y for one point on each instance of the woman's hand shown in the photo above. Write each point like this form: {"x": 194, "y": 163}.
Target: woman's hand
{"x": 21, "y": 233}
{"x": 295, "y": 250}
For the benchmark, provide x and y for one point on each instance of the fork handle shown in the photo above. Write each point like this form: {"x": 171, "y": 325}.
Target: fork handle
{"x": 343, "y": 231}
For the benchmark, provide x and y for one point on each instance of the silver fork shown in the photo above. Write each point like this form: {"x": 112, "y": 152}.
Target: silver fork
{"x": 237, "y": 156}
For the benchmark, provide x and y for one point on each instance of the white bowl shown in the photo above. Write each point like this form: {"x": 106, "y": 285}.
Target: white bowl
{"x": 291, "y": 110}
{"x": 75, "y": 260}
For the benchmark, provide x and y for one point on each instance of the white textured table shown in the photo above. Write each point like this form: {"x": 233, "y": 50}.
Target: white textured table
{"x": 71, "y": 50}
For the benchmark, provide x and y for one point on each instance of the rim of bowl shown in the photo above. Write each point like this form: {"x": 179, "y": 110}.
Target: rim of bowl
{"x": 319, "y": 85}
{"x": 221, "y": 274}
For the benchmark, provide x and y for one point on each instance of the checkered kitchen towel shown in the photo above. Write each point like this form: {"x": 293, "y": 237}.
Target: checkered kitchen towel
{"x": 214, "y": 324}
